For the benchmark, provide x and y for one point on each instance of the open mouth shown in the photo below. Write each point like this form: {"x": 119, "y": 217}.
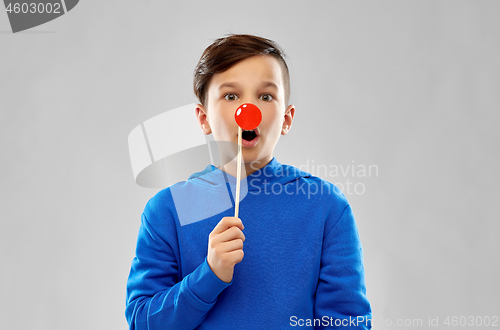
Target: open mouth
{"x": 250, "y": 138}
{"x": 248, "y": 135}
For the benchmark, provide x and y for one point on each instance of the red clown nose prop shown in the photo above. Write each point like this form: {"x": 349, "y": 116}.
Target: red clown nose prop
{"x": 248, "y": 116}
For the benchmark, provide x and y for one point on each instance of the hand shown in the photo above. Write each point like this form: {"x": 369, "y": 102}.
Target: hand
{"x": 225, "y": 247}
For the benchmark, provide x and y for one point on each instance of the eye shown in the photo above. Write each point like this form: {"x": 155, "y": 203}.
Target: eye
{"x": 267, "y": 97}
{"x": 230, "y": 97}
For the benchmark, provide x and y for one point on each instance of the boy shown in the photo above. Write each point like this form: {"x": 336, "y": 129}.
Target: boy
{"x": 292, "y": 257}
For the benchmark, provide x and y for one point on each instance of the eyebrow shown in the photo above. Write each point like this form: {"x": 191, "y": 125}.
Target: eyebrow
{"x": 235, "y": 84}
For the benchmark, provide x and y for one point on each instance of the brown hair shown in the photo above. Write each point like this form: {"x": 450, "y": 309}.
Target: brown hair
{"x": 225, "y": 52}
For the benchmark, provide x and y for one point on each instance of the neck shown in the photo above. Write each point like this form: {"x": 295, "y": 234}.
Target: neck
{"x": 247, "y": 168}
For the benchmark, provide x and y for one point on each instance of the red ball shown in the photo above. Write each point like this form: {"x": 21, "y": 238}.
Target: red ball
{"x": 248, "y": 116}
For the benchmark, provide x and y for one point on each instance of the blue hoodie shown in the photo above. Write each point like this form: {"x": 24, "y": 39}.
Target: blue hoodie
{"x": 302, "y": 264}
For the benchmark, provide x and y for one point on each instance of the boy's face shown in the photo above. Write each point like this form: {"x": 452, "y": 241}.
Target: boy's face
{"x": 256, "y": 80}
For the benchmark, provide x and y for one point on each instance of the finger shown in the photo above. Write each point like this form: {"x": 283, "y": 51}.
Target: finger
{"x": 226, "y": 223}
{"x": 230, "y": 234}
{"x": 235, "y": 244}
{"x": 235, "y": 256}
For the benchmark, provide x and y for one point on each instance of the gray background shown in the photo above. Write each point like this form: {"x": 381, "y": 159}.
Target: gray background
{"x": 409, "y": 86}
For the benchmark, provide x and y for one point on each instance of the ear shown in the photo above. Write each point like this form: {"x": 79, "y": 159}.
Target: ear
{"x": 202, "y": 117}
{"x": 288, "y": 119}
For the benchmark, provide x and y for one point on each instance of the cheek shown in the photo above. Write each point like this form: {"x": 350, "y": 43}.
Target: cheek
{"x": 225, "y": 124}
{"x": 274, "y": 119}
{"x": 273, "y": 125}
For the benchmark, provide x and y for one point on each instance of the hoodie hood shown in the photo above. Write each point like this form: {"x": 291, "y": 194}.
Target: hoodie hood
{"x": 272, "y": 173}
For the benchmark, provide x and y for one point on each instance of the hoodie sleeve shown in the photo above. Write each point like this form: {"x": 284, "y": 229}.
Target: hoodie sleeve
{"x": 156, "y": 299}
{"x": 341, "y": 292}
